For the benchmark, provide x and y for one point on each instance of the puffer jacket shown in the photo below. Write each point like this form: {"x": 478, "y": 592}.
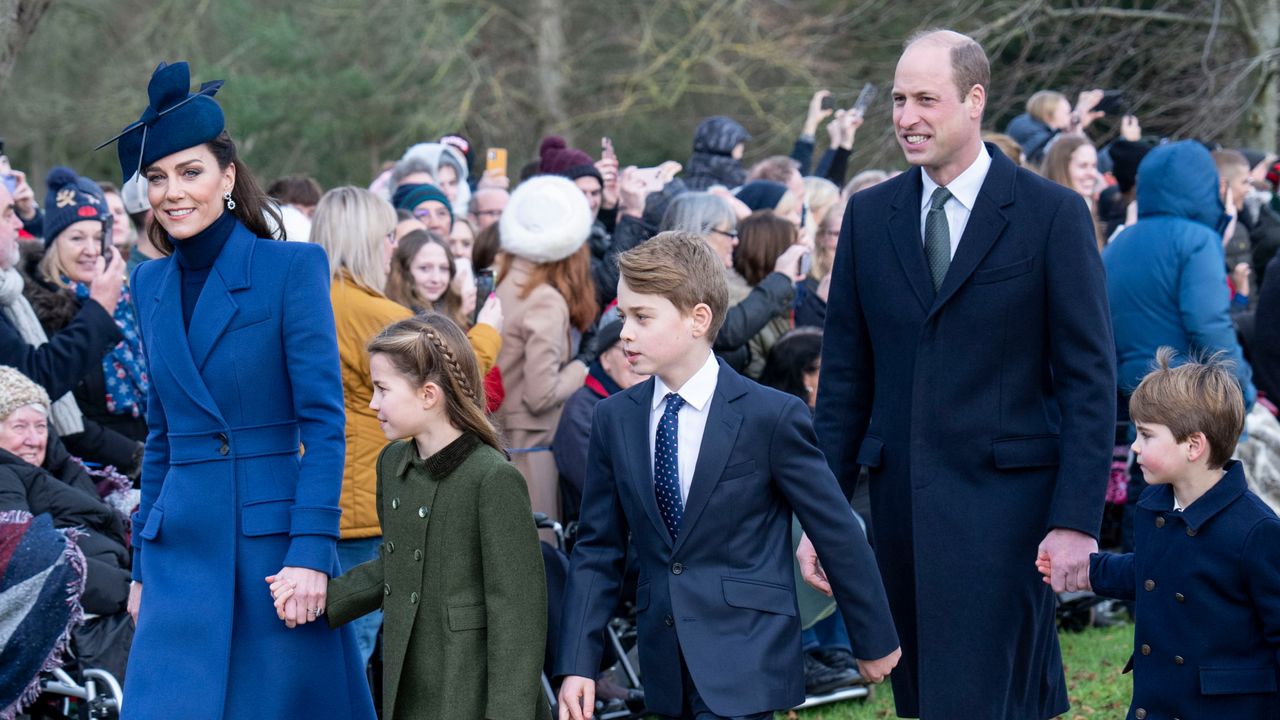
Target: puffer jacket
{"x": 1032, "y": 134}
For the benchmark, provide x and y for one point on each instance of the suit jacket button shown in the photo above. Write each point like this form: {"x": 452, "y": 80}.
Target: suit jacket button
{"x": 422, "y": 511}
{"x": 1140, "y": 714}
{"x": 1160, "y": 521}
{"x": 391, "y": 547}
{"x": 1191, "y": 532}
{"x": 1177, "y": 660}
{"x": 386, "y": 589}
{"x": 395, "y": 503}
{"x": 1149, "y": 585}
{"x": 417, "y": 555}
{"x": 669, "y": 620}
{"x": 677, "y": 568}
{"x": 1146, "y": 649}
{"x": 1179, "y": 597}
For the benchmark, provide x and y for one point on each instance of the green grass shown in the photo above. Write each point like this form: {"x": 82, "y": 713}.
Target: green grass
{"x": 1093, "y": 660}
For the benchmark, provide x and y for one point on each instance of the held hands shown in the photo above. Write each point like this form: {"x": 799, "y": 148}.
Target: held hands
{"x": 299, "y": 594}
{"x": 1063, "y": 559}
{"x": 135, "y": 600}
{"x": 577, "y": 698}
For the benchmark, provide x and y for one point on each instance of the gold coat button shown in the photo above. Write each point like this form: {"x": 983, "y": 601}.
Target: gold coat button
{"x": 413, "y": 598}
{"x": 1146, "y": 649}
{"x": 1160, "y": 521}
{"x": 1177, "y": 660}
{"x": 417, "y": 555}
{"x": 395, "y": 503}
{"x": 1149, "y": 585}
{"x": 1140, "y": 714}
{"x": 422, "y": 511}
{"x": 1191, "y": 532}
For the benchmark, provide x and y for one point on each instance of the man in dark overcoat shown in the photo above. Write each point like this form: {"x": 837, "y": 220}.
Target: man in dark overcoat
{"x": 969, "y": 365}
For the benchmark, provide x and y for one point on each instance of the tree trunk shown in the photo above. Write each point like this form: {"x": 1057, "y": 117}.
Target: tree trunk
{"x": 18, "y": 20}
{"x": 550, "y": 58}
{"x": 1261, "y": 125}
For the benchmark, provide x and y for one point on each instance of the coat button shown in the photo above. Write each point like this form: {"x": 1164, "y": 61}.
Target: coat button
{"x": 1179, "y": 597}
{"x": 395, "y": 503}
{"x": 386, "y": 589}
{"x": 1140, "y": 714}
{"x": 677, "y": 568}
{"x": 1160, "y": 521}
{"x": 413, "y": 598}
{"x": 1191, "y": 532}
{"x": 669, "y": 620}
{"x": 417, "y": 555}
{"x": 1177, "y": 660}
{"x": 1149, "y": 585}
{"x": 391, "y": 547}
{"x": 224, "y": 449}
{"x": 1146, "y": 649}
{"x": 422, "y": 511}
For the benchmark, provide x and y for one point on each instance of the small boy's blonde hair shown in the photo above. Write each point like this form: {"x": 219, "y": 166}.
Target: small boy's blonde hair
{"x": 1197, "y": 396}
{"x": 681, "y": 267}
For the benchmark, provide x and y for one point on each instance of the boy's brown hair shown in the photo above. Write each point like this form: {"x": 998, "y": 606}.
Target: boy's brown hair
{"x": 1198, "y": 396}
{"x": 681, "y": 267}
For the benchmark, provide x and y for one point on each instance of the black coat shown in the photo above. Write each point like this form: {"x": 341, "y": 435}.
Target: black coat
{"x": 1265, "y": 236}
{"x": 1264, "y": 351}
{"x": 771, "y": 297}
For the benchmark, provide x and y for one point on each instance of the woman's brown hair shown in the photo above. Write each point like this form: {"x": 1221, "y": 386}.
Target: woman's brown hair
{"x": 762, "y": 237}
{"x": 431, "y": 348}
{"x": 252, "y": 205}
{"x": 571, "y": 277}
{"x": 402, "y": 288}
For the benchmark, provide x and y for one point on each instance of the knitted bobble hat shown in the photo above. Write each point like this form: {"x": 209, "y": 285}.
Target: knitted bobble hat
{"x": 18, "y": 391}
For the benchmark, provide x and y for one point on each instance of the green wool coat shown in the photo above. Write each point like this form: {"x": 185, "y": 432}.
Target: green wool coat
{"x": 460, "y": 582}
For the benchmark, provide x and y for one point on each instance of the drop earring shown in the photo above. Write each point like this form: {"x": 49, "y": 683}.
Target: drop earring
{"x": 231, "y": 204}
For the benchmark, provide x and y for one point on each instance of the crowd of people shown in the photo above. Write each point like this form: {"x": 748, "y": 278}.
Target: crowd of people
{"x": 162, "y": 364}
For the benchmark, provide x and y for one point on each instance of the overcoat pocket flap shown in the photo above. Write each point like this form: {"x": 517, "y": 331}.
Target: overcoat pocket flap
{"x": 152, "y": 528}
{"x": 1026, "y": 452}
{"x": 871, "y": 452}
{"x": 1238, "y": 680}
{"x": 468, "y": 617}
{"x": 1004, "y": 272}
{"x": 757, "y": 595}
{"x": 266, "y": 517}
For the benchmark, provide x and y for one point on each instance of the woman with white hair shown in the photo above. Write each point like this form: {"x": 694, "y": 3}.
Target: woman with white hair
{"x": 445, "y": 164}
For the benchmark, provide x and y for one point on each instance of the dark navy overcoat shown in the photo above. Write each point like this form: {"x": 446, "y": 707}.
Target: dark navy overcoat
{"x": 985, "y": 413}
{"x": 227, "y": 496}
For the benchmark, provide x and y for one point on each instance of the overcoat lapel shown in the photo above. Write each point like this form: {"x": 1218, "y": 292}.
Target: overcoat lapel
{"x": 718, "y": 439}
{"x": 639, "y": 458}
{"x": 904, "y": 233}
{"x": 986, "y": 223}
{"x": 168, "y": 342}
{"x": 216, "y": 307}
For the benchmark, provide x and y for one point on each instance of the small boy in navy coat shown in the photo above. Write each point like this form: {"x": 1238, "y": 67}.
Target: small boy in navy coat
{"x": 1205, "y": 571}
{"x": 701, "y": 469}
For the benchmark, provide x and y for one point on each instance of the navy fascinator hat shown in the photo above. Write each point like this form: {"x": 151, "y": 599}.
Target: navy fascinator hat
{"x": 175, "y": 119}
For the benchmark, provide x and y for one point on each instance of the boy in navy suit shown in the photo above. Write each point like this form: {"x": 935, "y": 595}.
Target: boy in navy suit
{"x": 1205, "y": 571}
{"x": 702, "y": 469}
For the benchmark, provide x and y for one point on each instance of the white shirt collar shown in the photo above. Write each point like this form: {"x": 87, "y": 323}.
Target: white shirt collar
{"x": 966, "y": 186}
{"x": 696, "y": 391}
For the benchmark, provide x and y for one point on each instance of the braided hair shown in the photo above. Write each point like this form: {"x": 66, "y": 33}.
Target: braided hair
{"x": 431, "y": 348}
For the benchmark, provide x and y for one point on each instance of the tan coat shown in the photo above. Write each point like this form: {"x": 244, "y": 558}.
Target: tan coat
{"x": 539, "y": 375}
{"x": 360, "y": 314}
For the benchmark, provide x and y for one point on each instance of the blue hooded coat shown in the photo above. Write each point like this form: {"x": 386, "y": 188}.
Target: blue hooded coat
{"x": 1166, "y": 278}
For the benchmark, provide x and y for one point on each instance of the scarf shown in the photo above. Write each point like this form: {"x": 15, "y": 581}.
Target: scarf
{"x": 124, "y": 368}
{"x": 64, "y": 413}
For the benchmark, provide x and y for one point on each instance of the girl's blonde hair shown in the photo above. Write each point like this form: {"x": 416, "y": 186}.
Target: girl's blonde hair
{"x": 431, "y": 348}
{"x": 352, "y": 225}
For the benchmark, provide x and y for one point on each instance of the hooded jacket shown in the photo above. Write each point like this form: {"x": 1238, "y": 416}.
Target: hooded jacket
{"x": 1166, "y": 278}
{"x": 1032, "y": 134}
{"x": 712, "y": 161}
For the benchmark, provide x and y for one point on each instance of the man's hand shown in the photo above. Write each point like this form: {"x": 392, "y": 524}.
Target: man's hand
{"x": 577, "y": 698}
{"x": 1067, "y": 554}
{"x": 811, "y": 569}
{"x": 105, "y": 287}
{"x": 875, "y": 671}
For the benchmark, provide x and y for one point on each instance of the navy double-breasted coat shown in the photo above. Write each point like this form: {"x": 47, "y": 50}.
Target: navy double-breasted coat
{"x": 227, "y": 496}
{"x": 985, "y": 413}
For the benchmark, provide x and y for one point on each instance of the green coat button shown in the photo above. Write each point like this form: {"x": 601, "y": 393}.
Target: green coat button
{"x": 413, "y": 598}
{"x": 391, "y": 547}
{"x": 417, "y": 555}
{"x": 395, "y": 503}
{"x": 386, "y": 589}
{"x": 422, "y": 511}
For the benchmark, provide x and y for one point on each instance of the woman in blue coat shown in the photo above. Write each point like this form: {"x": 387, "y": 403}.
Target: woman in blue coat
{"x": 239, "y": 334}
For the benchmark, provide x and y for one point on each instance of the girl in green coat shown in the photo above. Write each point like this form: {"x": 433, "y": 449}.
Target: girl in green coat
{"x": 459, "y": 577}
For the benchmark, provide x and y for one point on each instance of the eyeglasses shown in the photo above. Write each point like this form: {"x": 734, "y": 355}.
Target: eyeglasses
{"x": 731, "y": 234}
{"x": 830, "y": 233}
{"x": 487, "y": 213}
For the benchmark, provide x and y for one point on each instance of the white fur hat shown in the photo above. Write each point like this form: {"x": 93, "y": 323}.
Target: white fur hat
{"x": 546, "y": 220}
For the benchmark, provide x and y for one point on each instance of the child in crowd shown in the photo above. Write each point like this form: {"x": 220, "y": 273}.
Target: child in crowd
{"x": 700, "y": 469}
{"x": 460, "y": 577}
{"x": 1205, "y": 571}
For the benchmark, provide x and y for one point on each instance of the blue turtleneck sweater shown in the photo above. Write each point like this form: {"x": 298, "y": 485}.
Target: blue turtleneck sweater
{"x": 195, "y": 257}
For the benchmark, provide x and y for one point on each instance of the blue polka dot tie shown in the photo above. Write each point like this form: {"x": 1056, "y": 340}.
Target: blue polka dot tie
{"x": 666, "y": 465}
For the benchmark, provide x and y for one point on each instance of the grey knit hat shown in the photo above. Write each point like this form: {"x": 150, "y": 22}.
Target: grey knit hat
{"x": 17, "y": 391}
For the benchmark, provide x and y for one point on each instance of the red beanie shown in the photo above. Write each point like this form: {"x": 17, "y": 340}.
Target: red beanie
{"x": 558, "y": 157}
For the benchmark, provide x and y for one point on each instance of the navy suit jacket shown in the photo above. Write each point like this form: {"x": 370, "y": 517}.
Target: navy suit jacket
{"x": 723, "y": 594}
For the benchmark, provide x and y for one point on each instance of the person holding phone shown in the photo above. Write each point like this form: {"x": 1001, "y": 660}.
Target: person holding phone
{"x": 77, "y": 249}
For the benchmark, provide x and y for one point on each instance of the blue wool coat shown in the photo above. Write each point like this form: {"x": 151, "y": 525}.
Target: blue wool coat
{"x": 227, "y": 497}
{"x": 1207, "y": 587}
{"x": 984, "y": 413}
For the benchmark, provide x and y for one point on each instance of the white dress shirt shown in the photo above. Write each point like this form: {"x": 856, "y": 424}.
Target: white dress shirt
{"x": 964, "y": 193}
{"x": 692, "y": 418}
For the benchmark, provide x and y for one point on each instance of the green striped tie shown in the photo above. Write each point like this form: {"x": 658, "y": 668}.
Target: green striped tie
{"x": 937, "y": 237}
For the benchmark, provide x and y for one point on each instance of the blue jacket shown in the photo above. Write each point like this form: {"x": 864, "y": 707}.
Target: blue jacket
{"x": 722, "y": 596}
{"x": 1166, "y": 278}
{"x": 227, "y": 497}
{"x": 1207, "y": 585}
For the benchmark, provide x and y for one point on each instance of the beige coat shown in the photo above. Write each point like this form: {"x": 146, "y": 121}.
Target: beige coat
{"x": 539, "y": 375}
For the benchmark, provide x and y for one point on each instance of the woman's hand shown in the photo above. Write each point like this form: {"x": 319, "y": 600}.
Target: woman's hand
{"x": 491, "y": 313}
{"x": 305, "y": 593}
{"x": 135, "y": 600}
{"x": 468, "y": 293}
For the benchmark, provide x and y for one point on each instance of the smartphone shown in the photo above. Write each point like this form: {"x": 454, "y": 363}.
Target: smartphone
{"x": 806, "y": 263}
{"x": 106, "y": 242}
{"x": 484, "y": 288}
{"x": 1113, "y": 103}
{"x": 649, "y": 176}
{"x": 864, "y": 99}
{"x": 829, "y": 102}
{"x": 496, "y": 159}
{"x": 11, "y": 182}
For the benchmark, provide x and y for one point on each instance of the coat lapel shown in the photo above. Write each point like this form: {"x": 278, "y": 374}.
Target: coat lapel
{"x": 168, "y": 341}
{"x": 718, "y": 439}
{"x": 216, "y": 307}
{"x": 986, "y": 223}
{"x": 639, "y": 458}
{"x": 908, "y": 243}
